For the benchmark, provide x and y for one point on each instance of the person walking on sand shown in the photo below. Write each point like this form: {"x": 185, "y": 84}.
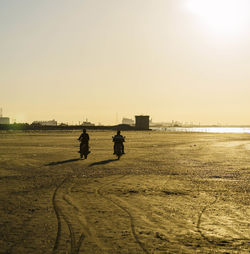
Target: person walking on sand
{"x": 84, "y": 139}
{"x": 118, "y": 138}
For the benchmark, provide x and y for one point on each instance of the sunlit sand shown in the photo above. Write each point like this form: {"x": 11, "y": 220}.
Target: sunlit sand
{"x": 170, "y": 193}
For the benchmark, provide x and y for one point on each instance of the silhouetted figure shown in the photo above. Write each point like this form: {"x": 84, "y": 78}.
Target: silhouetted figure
{"x": 118, "y": 139}
{"x": 84, "y": 139}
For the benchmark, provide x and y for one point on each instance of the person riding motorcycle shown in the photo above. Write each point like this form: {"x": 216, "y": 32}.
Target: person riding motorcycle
{"x": 118, "y": 138}
{"x": 84, "y": 139}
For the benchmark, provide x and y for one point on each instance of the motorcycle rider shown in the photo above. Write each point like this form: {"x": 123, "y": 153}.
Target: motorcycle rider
{"x": 84, "y": 139}
{"x": 118, "y": 138}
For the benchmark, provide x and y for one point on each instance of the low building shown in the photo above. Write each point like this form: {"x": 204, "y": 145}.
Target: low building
{"x": 45, "y": 123}
{"x": 142, "y": 122}
{"x": 86, "y": 123}
{"x": 4, "y": 120}
{"x": 128, "y": 121}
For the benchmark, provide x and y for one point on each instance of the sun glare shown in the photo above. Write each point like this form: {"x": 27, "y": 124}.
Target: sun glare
{"x": 226, "y": 17}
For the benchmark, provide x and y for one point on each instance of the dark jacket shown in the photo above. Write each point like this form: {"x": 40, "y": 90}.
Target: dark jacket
{"x": 84, "y": 138}
{"x": 118, "y": 139}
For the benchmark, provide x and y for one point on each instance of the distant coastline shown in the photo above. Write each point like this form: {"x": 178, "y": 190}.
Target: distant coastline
{"x": 194, "y": 128}
{"x": 26, "y": 126}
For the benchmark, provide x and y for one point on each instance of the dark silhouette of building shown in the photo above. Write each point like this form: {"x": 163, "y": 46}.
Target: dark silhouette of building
{"x": 142, "y": 122}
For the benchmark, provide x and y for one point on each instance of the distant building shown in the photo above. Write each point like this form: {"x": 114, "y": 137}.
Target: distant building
{"x": 4, "y": 120}
{"x": 176, "y": 124}
{"x": 142, "y": 122}
{"x": 128, "y": 121}
{"x": 86, "y": 123}
{"x": 63, "y": 124}
{"x": 46, "y": 123}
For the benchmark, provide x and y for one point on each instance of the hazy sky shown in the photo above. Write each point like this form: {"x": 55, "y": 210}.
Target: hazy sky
{"x": 186, "y": 60}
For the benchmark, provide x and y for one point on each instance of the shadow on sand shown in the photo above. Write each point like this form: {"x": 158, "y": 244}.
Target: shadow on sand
{"x": 53, "y": 163}
{"x": 102, "y": 162}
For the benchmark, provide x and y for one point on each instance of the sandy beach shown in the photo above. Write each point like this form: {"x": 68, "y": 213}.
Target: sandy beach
{"x": 170, "y": 193}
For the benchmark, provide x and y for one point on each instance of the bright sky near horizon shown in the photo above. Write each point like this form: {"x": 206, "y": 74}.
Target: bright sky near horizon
{"x": 185, "y": 60}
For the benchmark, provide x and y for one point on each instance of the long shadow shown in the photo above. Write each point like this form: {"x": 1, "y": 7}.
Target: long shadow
{"x": 53, "y": 163}
{"x": 102, "y": 162}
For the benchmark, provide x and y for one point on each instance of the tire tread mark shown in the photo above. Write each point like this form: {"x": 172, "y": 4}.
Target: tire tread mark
{"x": 79, "y": 243}
{"x": 79, "y": 211}
{"x": 126, "y": 211}
{"x": 57, "y": 212}
{"x": 199, "y": 220}
{"x": 87, "y": 231}
{"x": 75, "y": 247}
{"x": 71, "y": 231}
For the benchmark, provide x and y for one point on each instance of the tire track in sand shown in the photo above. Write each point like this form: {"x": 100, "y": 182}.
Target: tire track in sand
{"x": 84, "y": 223}
{"x": 132, "y": 224}
{"x": 74, "y": 245}
{"x": 240, "y": 238}
{"x": 199, "y": 220}
{"x": 59, "y": 222}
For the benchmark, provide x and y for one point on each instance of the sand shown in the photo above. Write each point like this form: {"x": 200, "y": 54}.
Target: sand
{"x": 170, "y": 193}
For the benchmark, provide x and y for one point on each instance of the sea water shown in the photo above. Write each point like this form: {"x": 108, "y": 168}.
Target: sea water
{"x": 206, "y": 129}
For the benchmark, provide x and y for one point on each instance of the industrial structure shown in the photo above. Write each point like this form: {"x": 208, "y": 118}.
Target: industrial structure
{"x": 3, "y": 120}
{"x": 142, "y": 122}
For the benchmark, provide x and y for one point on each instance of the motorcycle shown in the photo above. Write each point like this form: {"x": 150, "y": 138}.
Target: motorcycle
{"x": 118, "y": 150}
{"x": 84, "y": 150}
{"x": 118, "y": 147}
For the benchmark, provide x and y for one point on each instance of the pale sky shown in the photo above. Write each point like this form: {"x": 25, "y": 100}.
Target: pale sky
{"x": 186, "y": 60}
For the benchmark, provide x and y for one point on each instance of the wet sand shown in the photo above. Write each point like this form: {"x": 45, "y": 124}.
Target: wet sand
{"x": 170, "y": 193}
